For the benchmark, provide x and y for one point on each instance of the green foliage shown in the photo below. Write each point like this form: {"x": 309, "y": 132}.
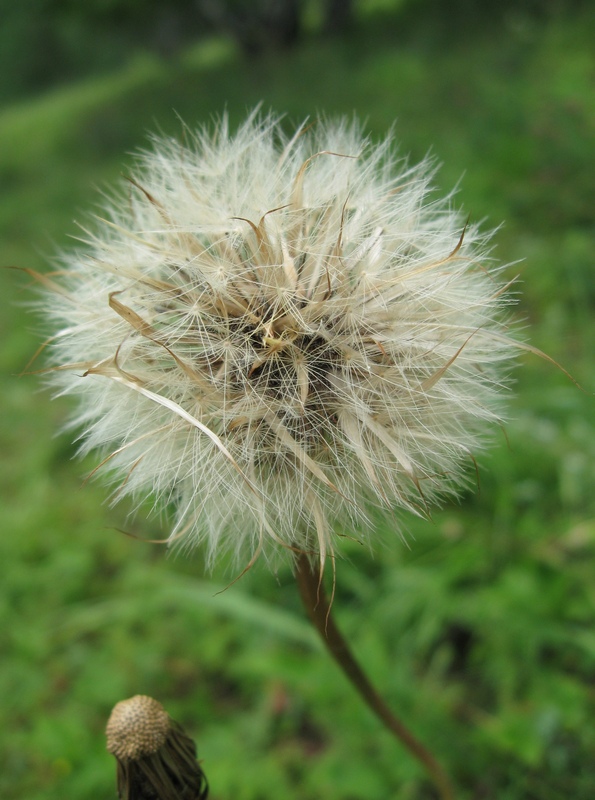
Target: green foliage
{"x": 47, "y": 42}
{"x": 479, "y": 627}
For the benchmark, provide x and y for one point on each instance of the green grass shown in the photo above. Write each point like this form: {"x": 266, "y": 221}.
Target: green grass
{"x": 479, "y": 628}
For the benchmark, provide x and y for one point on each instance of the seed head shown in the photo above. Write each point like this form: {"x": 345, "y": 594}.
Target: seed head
{"x": 156, "y": 759}
{"x": 137, "y": 728}
{"x": 273, "y": 335}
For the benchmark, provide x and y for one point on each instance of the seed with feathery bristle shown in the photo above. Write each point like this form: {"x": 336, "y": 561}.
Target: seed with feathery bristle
{"x": 277, "y": 334}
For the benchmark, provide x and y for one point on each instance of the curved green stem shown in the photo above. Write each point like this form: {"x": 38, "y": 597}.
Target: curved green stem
{"x": 319, "y": 610}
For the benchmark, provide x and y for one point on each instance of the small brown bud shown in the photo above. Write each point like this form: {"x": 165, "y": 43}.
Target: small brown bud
{"x": 156, "y": 759}
{"x": 136, "y": 728}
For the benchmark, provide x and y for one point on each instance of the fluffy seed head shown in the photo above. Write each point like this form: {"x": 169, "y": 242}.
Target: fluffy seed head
{"x": 274, "y": 334}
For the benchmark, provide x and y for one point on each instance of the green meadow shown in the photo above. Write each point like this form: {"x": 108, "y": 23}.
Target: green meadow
{"x": 479, "y": 624}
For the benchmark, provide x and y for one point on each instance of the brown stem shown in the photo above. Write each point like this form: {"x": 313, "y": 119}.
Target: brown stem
{"x": 319, "y": 611}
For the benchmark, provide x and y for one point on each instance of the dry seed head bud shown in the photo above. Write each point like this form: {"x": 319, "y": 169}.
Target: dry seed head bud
{"x": 273, "y": 334}
{"x": 155, "y": 757}
{"x": 136, "y": 728}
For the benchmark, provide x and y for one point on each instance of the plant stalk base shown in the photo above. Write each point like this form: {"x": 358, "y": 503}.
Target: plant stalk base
{"x": 319, "y": 610}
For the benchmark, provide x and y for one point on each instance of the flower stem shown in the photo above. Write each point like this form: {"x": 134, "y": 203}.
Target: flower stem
{"x": 319, "y": 610}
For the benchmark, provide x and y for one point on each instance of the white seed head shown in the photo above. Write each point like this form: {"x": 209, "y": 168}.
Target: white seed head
{"x": 274, "y": 335}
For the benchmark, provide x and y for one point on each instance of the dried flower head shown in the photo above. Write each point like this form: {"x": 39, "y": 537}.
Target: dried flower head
{"x": 137, "y": 727}
{"x": 274, "y": 334}
{"x": 156, "y": 758}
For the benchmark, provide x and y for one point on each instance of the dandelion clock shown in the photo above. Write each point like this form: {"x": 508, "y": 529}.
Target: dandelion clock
{"x": 275, "y": 335}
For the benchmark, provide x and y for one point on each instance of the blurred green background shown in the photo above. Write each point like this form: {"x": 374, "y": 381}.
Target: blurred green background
{"x": 480, "y": 627}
